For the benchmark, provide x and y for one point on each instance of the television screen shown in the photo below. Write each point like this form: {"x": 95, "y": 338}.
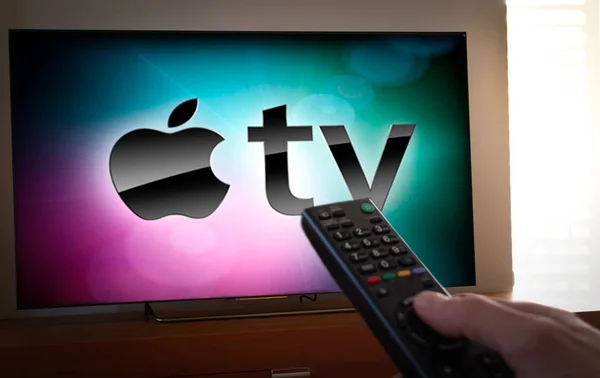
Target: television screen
{"x": 157, "y": 166}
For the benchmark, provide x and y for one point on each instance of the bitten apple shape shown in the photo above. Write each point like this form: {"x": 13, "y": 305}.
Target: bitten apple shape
{"x": 158, "y": 174}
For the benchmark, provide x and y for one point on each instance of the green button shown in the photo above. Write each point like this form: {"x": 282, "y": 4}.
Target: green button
{"x": 389, "y": 276}
{"x": 367, "y": 208}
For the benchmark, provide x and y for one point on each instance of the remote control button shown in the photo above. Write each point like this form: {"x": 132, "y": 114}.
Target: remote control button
{"x": 451, "y": 345}
{"x": 373, "y": 280}
{"x": 346, "y": 223}
{"x": 367, "y": 268}
{"x": 342, "y": 235}
{"x": 390, "y": 239}
{"x": 400, "y": 319}
{"x": 382, "y": 292}
{"x": 388, "y": 276}
{"x": 324, "y": 215}
{"x": 449, "y": 372}
{"x": 418, "y": 271}
{"x": 427, "y": 282}
{"x": 350, "y": 246}
{"x": 407, "y": 261}
{"x": 376, "y": 220}
{"x": 381, "y": 229}
{"x": 359, "y": 257}
{"x": 378, "y": 253}
{"x": 332, "y": 226}
{"x": 408, "y": 301}
{"x": 368, "y": 243}
{"x": 367, "y": 208}
{"x": 403, "y": 273}
{"x": 398, "y": 250}
{"x": 362, "y": 232}
{"x": 339, "y": 213}
{"x": 386, "y": 265}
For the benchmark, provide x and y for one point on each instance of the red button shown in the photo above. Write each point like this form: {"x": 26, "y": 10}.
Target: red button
{"x": 374, "y": 279}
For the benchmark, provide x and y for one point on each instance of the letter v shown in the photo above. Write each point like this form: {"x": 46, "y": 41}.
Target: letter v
{"x": 343, "y": 152}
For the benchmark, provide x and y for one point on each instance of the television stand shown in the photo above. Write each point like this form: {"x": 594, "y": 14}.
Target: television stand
{"x": 247, "y": 308}
{"x": 151, "y": 315}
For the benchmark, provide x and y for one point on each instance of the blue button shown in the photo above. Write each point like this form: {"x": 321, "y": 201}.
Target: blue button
{"x": 418, "y": 271}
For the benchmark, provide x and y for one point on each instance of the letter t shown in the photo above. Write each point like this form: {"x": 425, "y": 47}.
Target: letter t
{"x": 275, "y": 134}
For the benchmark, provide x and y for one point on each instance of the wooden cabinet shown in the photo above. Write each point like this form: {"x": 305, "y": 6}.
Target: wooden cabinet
{"x": 332, "y": 345}
{"x": 126, "y": 345}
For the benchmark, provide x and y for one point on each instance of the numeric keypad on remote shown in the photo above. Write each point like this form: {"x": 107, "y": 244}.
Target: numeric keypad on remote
{"x": 382, "y": 275}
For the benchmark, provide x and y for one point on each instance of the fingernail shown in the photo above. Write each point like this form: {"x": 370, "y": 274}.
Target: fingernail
{"x": 429, "y": 299}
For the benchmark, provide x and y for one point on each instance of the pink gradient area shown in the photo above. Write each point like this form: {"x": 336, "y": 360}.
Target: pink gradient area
{"x": 78, "y": 244}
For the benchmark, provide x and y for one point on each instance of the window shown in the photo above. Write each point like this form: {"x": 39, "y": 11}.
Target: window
{"x": 554, "y": 66}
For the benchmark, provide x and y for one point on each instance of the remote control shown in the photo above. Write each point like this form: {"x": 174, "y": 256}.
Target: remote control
{"x": 380, "y": 275}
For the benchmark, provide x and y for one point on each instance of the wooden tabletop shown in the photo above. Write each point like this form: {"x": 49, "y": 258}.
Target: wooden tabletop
{"x": 134, "y": 324}
{"x": 104, "y": 327}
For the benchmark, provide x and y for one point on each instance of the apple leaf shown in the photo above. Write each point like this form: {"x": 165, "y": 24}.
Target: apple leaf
{"x": 183, "y": 112}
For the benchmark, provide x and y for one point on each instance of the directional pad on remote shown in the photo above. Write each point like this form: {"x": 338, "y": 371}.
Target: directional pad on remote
{"x": 421, "y": 333}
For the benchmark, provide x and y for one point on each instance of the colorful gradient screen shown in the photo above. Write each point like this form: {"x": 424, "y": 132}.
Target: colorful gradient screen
{"x": 156, "y": 166}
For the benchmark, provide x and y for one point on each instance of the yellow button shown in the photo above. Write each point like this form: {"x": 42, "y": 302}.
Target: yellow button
{"x": 404, "y": 273}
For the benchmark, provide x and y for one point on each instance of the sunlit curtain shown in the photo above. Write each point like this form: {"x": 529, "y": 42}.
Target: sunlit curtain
{"x": 553, "y": 59}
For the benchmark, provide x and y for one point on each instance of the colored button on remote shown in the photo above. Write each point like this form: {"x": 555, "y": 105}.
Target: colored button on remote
{"x": 418, "y": 271}
{"x": 389, "y": 276}
{"x": 407, "y": 261}
{"x": 367, "y": 208}
{"x": 403, "y": 273}
{"x": 373, "y": 280}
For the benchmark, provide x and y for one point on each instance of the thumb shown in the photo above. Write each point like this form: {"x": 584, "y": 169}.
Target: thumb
{"x": 476, "y": 318}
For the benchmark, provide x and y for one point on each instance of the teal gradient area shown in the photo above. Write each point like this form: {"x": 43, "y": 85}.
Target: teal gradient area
{"x": 74, "y": 94}
{"x": 430, "y": 203}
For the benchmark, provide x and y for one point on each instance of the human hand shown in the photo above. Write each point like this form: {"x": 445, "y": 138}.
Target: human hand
{"x": 536, "y": 341}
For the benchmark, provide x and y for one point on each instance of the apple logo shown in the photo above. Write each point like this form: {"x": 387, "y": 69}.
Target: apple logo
{"x": 158, "y": 174}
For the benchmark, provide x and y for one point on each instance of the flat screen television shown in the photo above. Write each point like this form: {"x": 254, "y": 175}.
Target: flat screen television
{"x": 165, "y": 166}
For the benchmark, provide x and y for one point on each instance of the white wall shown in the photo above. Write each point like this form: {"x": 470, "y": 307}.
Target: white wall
{"x": 483, "y": 20}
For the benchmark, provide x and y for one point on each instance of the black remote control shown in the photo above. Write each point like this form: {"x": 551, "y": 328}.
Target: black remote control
{"x": 380, "y": 275}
